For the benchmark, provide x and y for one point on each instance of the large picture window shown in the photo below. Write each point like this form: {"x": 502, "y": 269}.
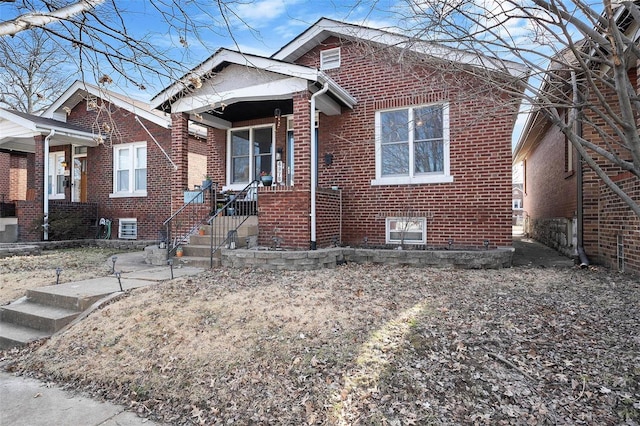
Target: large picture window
{"x": 130, "y": 169}
{"x": 251, "y": 152}
{"x": 412, "y": 145}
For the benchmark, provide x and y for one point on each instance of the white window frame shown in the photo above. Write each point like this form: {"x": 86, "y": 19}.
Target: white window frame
{"x": 413, "y": 178}
{"x": 133, "y": 150}
{"x": 55, "y": 159}
{"x": 517, "y": 204}
{"x": 124, "y": 223}
{"x": 388, "y": 230}
{"x": 252, "y": 173}
{"x": 330, "y": 58}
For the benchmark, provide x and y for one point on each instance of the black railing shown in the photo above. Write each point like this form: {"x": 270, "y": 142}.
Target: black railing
{"x": 196, "y": 212}
{"x": 231, "y": 212}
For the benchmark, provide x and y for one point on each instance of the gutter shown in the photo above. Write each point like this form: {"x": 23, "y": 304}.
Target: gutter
{"x": 314, "y": 163}
{"x": 45, "y": 188}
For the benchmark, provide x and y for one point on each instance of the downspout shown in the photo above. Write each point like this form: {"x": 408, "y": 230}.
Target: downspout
{"x": 314, "y": 163}
{"x": 46, "y": 185}
{"x": 582, "y": 255}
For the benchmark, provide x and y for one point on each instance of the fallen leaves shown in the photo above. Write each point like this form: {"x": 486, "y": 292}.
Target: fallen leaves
{"x": 363, "y": 344}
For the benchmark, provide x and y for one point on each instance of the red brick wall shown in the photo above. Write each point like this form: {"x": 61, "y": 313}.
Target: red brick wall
{"x": 283, "y": 212}
{"x": 5, "y": 176}
{"x": 617, "y": 220}
{"x": 474, "y": 208}
{"x": 605, "y": 215}
{"x": 328, "y": 218}
{"x": 550, "y": 191}
{"x": 150, "y": 211}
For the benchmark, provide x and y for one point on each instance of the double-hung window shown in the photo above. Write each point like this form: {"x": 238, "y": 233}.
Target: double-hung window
{"x": 56, "y": 175}
{"x": 130, "y": 170}
{"x": 412, "y": 145}
{"x": 251, "y": 153}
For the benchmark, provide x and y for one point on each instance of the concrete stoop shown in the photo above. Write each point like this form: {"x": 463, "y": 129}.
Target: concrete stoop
{"x": 196, "y": 253}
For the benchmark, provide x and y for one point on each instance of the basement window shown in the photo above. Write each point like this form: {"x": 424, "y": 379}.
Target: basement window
{"x": 128, "y": 229}
{"x": 406, "y": 230}
{"x": 330, "y": 59}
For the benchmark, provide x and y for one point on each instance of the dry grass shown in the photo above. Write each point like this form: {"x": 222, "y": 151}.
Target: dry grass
{"x": 21, "y": 273}
{"x": 362, "y": 345}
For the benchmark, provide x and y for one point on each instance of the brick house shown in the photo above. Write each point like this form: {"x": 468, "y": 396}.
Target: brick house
{"x": 566, "y": 205}
{"x": 105, "y": 155}
{"x": 372, "y": 139}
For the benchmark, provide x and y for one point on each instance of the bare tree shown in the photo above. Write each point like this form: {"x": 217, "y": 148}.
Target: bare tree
{"x": 579, "y": 54}
{"x": 33, "y": 71}
{"x": 104, "y": 44}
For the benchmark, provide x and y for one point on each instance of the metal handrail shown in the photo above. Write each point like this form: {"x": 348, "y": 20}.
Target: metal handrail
{"x": 193, "y": 222}
{"x": 222, "y": 225}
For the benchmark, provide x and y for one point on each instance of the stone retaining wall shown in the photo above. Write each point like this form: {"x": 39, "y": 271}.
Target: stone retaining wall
{"x": 35, "y": 248}
{"x": 329, "y": 258}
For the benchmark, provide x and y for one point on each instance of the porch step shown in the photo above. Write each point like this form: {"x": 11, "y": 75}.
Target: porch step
{"x": 196, "y": 253}
{"x": 197, "y": 261}
{"x": 12, "y": 335}
{"x": 45, "y": 318}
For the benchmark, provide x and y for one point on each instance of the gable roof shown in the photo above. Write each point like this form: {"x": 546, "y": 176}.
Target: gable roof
{"x": 17, "y": 130}
{"x": 324, "y": 28}
{"x": 225, "y": 57}
{"x": 79, "y": 91}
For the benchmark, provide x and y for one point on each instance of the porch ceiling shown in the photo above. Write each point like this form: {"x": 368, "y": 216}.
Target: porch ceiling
{"x": 18, "y": 130}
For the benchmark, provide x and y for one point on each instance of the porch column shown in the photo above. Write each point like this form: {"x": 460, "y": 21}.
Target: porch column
{"x": 216, "y": 155}
{"x": 302, "y": 140}
{"x": 180, "y": 157}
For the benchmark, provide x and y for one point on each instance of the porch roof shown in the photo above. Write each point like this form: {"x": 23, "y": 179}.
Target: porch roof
{"x": 17, "y": 130}
{"x": 229, "y": 84}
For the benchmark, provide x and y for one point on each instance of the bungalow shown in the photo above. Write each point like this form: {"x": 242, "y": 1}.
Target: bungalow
{"x": 371, "y": 138}
{"x": 95, "y": 147}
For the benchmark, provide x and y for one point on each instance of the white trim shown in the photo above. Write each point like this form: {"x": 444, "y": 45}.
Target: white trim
{"x": 412, "y": 178}
{"x": 317, "y": 33}
{"x": 387, "y": 233}
{"x": 240, "y": 185}
{"x": 132, "y": 192}
{"x": 54, "y": 182}
{"x": 122, "y": 222}
{"x": 330, "y": 58}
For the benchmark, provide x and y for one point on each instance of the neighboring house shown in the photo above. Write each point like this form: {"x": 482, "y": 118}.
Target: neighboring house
{"x": 105, "y": 156}
{"x": 516, "y": 201}
{"x": 566, "y": 205}
{"x": 373, "y": 139}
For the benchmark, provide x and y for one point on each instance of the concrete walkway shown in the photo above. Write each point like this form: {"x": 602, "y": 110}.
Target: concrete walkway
{"x": 28, "y": 402}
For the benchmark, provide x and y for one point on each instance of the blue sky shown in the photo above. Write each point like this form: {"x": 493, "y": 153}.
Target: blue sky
{"x": 254, "y": 26}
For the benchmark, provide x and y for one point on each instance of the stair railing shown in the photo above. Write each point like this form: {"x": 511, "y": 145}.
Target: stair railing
{"x": 233, "y": 211}
{"x": 187, "y": 220}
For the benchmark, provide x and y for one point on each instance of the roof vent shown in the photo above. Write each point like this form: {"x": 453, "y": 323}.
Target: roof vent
{"x": 330, "y": 58}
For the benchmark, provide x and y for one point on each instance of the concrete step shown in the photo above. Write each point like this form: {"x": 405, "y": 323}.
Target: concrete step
{"x": 35, "y": 315}
{"x": 196, "y": 261}
{"x": 12, "y": 335}
{"x": 61, "y": 299}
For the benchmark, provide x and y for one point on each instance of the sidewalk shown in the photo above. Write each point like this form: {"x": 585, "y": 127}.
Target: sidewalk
{"x": 28, "y": 402}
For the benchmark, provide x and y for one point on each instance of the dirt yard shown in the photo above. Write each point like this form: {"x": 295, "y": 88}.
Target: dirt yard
{"x": 361, "y": 345}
